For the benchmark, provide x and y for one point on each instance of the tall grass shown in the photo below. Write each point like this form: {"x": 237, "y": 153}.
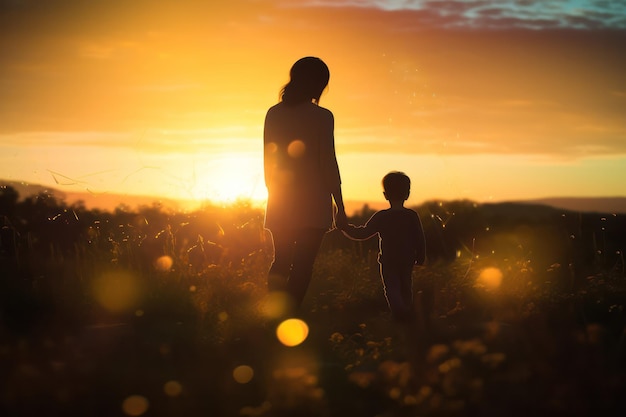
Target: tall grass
{"x": 151, "y": 312}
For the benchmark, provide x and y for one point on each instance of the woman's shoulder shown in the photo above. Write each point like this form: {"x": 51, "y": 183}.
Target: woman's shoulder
{"x": 303, "y": 113}
{"x": 323, "y": 116}
{"x": 275, "y": 108}
{"x": 324, "y": 111}
{"x": 302, "y": 107}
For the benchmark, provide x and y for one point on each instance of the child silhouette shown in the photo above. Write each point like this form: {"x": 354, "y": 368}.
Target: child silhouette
{"x": 401, "y": 242}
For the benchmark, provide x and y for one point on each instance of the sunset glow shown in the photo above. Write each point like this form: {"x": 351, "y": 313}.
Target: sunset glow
{"x": 477, "y": 100}
{"x": 230, "y": 177}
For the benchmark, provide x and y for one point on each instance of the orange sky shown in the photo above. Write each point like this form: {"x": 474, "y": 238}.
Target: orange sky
{"x": 168, "y": 98}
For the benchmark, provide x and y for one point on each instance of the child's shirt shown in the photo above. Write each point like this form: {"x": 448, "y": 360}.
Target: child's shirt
{"x": 401, "y": 236}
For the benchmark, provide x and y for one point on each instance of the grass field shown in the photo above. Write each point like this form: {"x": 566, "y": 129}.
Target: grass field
{"x": 519, "y": 311}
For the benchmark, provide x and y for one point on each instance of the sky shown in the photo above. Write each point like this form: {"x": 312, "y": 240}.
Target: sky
{"x": 473, "y": 99}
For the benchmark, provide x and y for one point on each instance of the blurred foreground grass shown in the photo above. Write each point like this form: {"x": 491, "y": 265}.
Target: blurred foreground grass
{"x": 157, "y": 313}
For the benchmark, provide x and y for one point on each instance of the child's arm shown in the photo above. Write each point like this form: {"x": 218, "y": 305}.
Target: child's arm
{"x": 358, "y": 232}
{"x": 420, "y": 242}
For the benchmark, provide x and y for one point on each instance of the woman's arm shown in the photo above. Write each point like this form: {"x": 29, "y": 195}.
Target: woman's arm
{"x": 341, "y": 219}
{"x": 330, "y": 167}
{"x": 269, "y": 150}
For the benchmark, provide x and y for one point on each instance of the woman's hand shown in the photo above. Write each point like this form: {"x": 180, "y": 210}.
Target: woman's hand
{"x": 341, "y": 220}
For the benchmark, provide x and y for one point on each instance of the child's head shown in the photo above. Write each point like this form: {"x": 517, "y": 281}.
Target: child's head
{"x": 396, "y": 186}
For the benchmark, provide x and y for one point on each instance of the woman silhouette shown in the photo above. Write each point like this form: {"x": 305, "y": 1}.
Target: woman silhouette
{"x": 302, "y": 177}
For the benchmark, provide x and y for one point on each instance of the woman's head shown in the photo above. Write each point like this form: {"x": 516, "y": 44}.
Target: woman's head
{"x": 308, "y": 78}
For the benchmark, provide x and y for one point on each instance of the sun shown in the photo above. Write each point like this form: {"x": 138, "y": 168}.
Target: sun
{"x": 231, "y": 177}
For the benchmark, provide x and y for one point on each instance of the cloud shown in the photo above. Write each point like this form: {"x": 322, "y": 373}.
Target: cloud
{"x": 491, "y": 14}
{"x": 153, "y": 141}
{"x": 77, "y": 15}
{"x": 393, "y": 86}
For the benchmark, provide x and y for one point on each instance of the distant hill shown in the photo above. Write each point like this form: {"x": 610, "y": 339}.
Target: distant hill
{"x": 109, "y": 201}
{"x": 103, "y": 201}
{"x": 25, "y": 189}
{"x": 576, "y": 204}
{"x": 584, "y": 204}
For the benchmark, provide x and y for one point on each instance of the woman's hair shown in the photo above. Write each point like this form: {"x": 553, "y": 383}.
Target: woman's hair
{"x": 308, "y": 78}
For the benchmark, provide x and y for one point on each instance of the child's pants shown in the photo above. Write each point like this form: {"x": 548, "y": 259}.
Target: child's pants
{"x": 398, "y": 286}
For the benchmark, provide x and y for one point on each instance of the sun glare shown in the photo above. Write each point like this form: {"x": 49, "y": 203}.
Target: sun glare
{"x": 230, "y": 178}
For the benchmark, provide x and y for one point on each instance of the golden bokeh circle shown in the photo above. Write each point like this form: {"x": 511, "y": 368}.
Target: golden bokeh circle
{"x": 292, "y": 332}
{"x": 243, "y": 374}
{"x": 135, "y": 405}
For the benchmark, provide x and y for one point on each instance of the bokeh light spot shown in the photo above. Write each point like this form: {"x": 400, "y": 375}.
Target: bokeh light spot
{"x": 243, "y": 374}
{"x": 292, "y": 332}
{"x": 276, "y": 304}
{"x": 271, "y": 147}
{"x": 394, "y": 393}
{"x": 164, "y": 263}
{"x": 116, "y": 291}
{"x": 135, "y": 405}
{"x": 490, "y": 278}
{"x": 172, "y": 388}
{"x": 449, "y": 365}
{"x": 222, "y": 316}
{"x": 296, "y": 148}
{"x": 283, "y": 177}
{"x": 165, "y": 349}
